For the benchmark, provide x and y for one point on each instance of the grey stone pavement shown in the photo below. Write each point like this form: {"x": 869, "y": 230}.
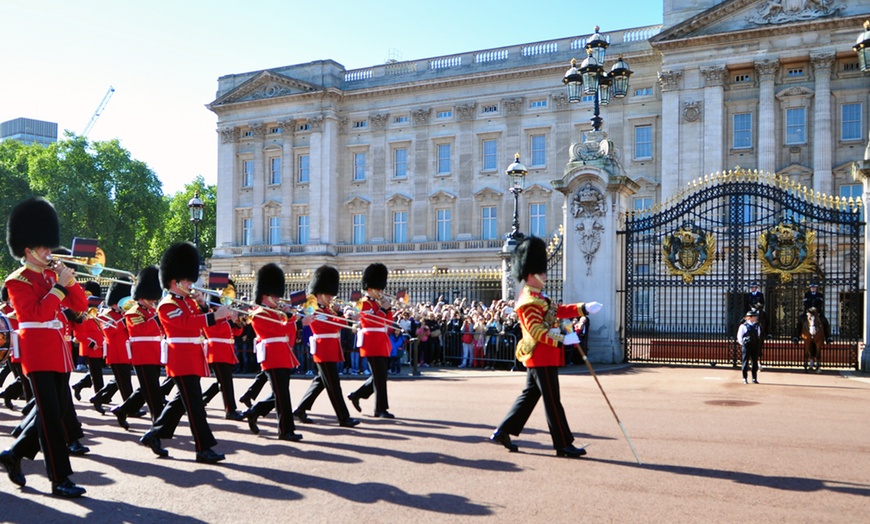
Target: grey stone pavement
{"x": 791, "y": 449}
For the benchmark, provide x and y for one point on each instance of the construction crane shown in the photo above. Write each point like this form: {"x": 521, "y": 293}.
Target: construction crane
{"x": 98, "y": 111}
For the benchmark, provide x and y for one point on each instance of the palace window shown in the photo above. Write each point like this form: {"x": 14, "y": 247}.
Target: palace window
{"x": 643, "y": 142}
{"x": 359, "y": 229}
{"x": 490, "y": 155}
{"x": 248, "y": 173}
{"x": 444, "y": 114}
{"x": 400, "y": 227}
{"x": 643, "y": 91}
{"x": 538, "y": 104}
{"x": 400, "y": 162}
{"x": 275, "y": 171}
{"x": 492, "y": 108}
{"x": 442, "y": 232}
{"x": 742, "y": 131}
{"x": 443, "y": 163}
{"x": 796, "y": 126}
{"x": 302, "y": 229}
{"x": 274, "y": 230}
{"x": 539, "y": 150}
{"x": 302, "y": 170}
{"x": 488, "y": 223}
{"x": 642, "y": 203}
{"x": 359, "y": 167}
{"x": 850, "y": 123}
{"x": 247, "y": 231}
{"x": 538, "y": 220}
{"x": 403, "y": 119}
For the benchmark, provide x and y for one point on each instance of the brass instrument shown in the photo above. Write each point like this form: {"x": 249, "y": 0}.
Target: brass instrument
{"x": 374, "y": 318}
{"x": 95, "y": 266}
{"x": 227, "y": 297}
{"x": 311, "y": 308}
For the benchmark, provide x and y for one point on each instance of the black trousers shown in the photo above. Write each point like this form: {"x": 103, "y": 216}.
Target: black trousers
{"x": 279, "y": 400}
{"x": 51, "y": 425}
{"x": 95, "y": 374}
{"x": 149, "y": 391}
{"x": 327, "y": 378}
{"x": 20, "y": 385}
{"x": 188, "y": 399}
{"x": 256, "y": 386}
{"x": 540, "y": 382}
{"x": 122, "y": 383}
{"x": 749, "y": 355}
{"x": 376, "y": 383}
{"x": 223, "y": 373}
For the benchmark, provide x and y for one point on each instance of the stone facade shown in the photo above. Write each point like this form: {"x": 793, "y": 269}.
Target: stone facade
{"x": 404, "y": 162}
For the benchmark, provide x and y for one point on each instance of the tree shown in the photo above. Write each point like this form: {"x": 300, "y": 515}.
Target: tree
{"x": 177, "y": 226}
{"x": 14, "y": 187}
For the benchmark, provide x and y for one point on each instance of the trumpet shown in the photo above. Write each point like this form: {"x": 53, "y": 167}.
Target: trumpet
{"x": 95, "y": 266}
{"x": 373, "y": 318}
{"x": 227, "y": 298}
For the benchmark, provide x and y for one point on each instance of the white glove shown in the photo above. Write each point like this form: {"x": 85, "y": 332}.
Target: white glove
{"x": 570, "y": 339}
{"x": 593, "y": 307}
{"x": 555, "y": 334}
{"x": 320, "y": 316}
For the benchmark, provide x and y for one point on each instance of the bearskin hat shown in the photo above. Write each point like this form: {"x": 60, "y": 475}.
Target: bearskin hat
{"x": 117, "y": 291}
{"x": 179, "y": 262}
{"x": 530, "y": 258}
{"x": 375, "y": 276}
{"x": 93, "y": 287}
{"x": 324, "y": 281}
{"x": 270, "y": 281}
{"x": 32, "y": 223}
{"x": 4, "y": 294}
{"x": 148, "y": 284}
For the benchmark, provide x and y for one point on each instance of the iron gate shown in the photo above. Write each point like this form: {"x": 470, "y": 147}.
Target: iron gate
{"x": 688, "y": 267}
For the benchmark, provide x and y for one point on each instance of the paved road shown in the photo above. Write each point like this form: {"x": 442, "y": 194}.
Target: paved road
{"x": 791, "y": 449}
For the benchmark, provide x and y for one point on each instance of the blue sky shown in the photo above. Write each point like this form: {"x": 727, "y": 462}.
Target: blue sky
{"x": 58, "y": 58}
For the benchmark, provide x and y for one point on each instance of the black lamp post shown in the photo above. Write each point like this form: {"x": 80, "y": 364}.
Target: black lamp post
{"x": 517, "y": 172}
{"x": 862, "y": 47}
{"x": 195, "y": 206}
{"x": 592, "y": 79}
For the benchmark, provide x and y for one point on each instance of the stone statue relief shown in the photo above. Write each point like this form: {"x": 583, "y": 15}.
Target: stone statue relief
{"x": 786, "y": 11}
{"x": 589, "y": 207}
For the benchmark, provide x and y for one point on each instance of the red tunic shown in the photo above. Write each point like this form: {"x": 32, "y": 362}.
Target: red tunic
{"x": 183, "y": 323}
{"x": 90, "y": 337}
{"x": 116, "y": 333}
{"x": 275, "y": 340}
{"x": 37, "y": 303}
{"x": 145, "y": 335}
{"x": 532, "y": 306}
{"x": 326, "y": 342}
{"x": 372, "y": 338}
{"x": 222, "y": 342}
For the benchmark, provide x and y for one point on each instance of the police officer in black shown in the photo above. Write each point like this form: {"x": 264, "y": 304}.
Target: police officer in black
{"x": 749, "y": 338}
{"x": 755, "y": 300}
{"x": 815, "y": 298}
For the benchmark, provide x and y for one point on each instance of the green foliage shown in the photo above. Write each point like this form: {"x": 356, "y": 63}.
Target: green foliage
{"x": 100, "y": 192}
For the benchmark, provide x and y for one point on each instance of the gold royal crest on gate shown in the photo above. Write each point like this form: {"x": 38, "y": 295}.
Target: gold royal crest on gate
{"x": 689, "y": 251}
{"x": 787, "y": 249}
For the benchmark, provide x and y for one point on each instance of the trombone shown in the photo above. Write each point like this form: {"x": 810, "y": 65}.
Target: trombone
{"x": 373, "y": 318}
{"x": 95, "y": 266}
{"x": 227, "y": 298}
{"x": 310, "y": 308}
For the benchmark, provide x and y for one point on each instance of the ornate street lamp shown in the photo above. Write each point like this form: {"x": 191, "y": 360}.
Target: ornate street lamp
{"x": 517, "y": 172}
{"x": 591, "y": 78}
{"x": 862, "y": 47}
{"x": 195, "y": 206}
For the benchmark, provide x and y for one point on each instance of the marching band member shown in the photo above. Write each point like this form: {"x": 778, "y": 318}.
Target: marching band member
{"x": 118, "y": 355}
{"x": 89, "y": 334}
{"x": 276, "y": 334}
{"x": 326, "y": 348}
{"x": 221, "y": 359}
{"x": 146, "y": 334}
{"x": 20, "y": 385}
{"x": 185, "y": 360}
{"x": 37, "y": 292}
{"x": 540, "y": 350}
{"x": 373, "y": 340}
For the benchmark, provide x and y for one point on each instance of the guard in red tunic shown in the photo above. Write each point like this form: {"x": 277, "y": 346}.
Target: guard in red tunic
{"x": 184, "y": 353}
{"x": 118, "y": 355}
{"x": 276, "y": 334}
{"x": 373, "y": 342}
{"x": 222, "y": 359}
{"x": 37, "y": 291}
{"x": 89, "y": 334}
{"x": 541, "y": 350}
{"x": 146, "y": 336}
{"x": 20, "y": 386}
{"x": 325, "y": 346}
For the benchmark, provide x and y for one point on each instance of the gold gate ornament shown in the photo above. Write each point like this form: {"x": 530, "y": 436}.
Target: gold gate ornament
{"x": 689, "y": 251}
{"x": 787, "y": 249}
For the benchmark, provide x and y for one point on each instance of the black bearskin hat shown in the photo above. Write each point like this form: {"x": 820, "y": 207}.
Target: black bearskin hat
{"x": 270, "y": 281}
{"x": 117, "y": 291}
{"x": 32, "y": 223}
{"x": 375, "y": 276}
{"x": 179, "y": 262}
{"x": 93, "y": 287}
{"x": 148, "y": 284}
{"x": 530, "y": 258}
{"x": 325, "y": 281}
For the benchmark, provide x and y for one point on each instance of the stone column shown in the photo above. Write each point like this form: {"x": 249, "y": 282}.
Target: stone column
{"x": 259, "y": 189}
{"x": 822, "y": 139}
{"x": 227, "y": 188}
{"x": 714, "y": 115}
{"x": 288, "y": 181}
{"x": 767, "y": 70}
{"x": 670, "y": 142}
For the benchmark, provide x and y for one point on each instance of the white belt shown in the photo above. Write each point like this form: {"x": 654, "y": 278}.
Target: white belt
{"x": 312, "y": 340}
{"x": 145, "y": 339}
{"x": 164, "y": 346}
{"x": 261, "y": 346}
{"x": 370, "y": 329}
{"x": 222, "y": 340}
{"x": 361, "y": 334}
{"x": 51, "y": 324}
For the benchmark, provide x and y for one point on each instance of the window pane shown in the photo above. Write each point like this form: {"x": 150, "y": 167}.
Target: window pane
{"x": 359, "y": 166}
{"x": 302, "y": 229}
{"x": 400, "y": 226}
{"x": 274, "y": 230}
{"x": 643, "y": 142}
{"x": 303, "y": 177}
{"x": 539, "y": 150}
{"x": 400, "y": 163}
{"x": 248, "y": 173}
{"x": 247, "y": 231}
{"x": 443, "y": 225}
{"x": 641, "y": 203}
{"x": 359, "y": 229}
{"x": 443, "y": 159}
{"x": 795, "y": 126}
{"x": 851, "y": 122}
{"x": 538, "y": 220}
{"x": 275, "y": 170}
{"x": 742, "y": 138}
{"x": 490, "y": 155}
{"x": 489, "y": 223}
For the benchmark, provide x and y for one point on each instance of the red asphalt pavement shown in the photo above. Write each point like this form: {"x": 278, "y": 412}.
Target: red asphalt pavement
{"x": 791, "y": 449}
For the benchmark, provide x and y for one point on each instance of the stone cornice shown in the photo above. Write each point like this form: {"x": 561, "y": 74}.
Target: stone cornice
{"x": 264, "y": 85}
